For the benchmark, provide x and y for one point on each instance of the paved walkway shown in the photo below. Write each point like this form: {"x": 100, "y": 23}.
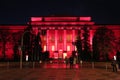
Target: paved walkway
{"x": 48, "y": 72}
{"x": 58, "y": 74}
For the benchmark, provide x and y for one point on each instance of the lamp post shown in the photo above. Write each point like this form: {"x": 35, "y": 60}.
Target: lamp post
{"x": 21, "y": 56}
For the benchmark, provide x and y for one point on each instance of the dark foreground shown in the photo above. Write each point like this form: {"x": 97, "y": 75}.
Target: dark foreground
{"x": 58, "y": 72}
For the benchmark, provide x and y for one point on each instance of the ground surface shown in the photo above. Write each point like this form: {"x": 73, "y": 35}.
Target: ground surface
{"x": 58, "y": 71}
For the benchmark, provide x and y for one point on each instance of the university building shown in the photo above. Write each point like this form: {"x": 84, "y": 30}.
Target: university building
{"x": 57, "y": 34}
{"x": 60, "y": 33}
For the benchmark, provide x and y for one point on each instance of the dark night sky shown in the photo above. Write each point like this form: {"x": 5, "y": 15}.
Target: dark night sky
{"x": 19, "y": 11}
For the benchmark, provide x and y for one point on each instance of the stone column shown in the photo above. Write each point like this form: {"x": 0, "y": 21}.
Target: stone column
{"x": 73, "y": 39}
{"x": 47, "y": 41}
{"x": 64, "y": 37}
{"x": 56, "y": 40}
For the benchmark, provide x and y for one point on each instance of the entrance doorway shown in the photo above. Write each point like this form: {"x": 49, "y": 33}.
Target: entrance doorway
{"x": 60, "y": 54}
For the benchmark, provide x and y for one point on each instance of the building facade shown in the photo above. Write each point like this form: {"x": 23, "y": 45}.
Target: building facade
{"x": 60, "y": 33}
{"x": 57, "y": 34}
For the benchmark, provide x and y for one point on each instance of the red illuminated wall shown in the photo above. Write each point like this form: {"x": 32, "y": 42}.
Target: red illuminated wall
{"x": 10, "y": 34}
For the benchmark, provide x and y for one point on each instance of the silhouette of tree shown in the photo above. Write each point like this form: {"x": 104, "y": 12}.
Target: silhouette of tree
{"x": 16, "y": 37}
{"x": 4, "y": 38}
{"x": 86, "y": 43}
{"x": 118, "y": 43}
{"x": 27, "y": 43}
{"x": 37, "y": 50}
{"x": 78, "y": 44}
{"x": 103, "y": 43}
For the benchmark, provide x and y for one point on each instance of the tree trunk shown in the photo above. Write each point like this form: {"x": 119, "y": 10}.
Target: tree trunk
{"x": 3, "y": 51}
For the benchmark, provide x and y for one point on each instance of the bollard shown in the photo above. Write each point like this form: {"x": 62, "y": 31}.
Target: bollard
{"x": 33, "y": 64}
{"x": 93, "y": 65}
{"x": 118, "y": 67}
{"x": 81, "y": 63}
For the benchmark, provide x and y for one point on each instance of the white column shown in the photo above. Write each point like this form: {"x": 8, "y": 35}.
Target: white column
{"x": 56, "y": 40}
{"x": 73, "y": 39}
{"x": 91, "y": 37}
{"x": 65, "y": 40}
{"x": 47, "y": 41}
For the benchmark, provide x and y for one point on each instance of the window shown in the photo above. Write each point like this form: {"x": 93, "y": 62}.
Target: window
{"x": 68, "y": 48}
{"x": 53, "y": 48}
{"x": 52, "y": 38}
{"x": 44, "y": 47}
{"x": 69, "y": 38}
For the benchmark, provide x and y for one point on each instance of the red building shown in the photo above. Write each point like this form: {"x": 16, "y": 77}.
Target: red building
{"x": 57, "y": 34}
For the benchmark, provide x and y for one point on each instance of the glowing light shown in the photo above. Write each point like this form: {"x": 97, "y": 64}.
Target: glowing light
{"x": 26, "y": 57}
{"x": 75, "y": 48}
{"x": 60, "y": 50}
{"x": 114, "y": 57}
{"x": 53, "y": 48}
{"x": 64, "y": 55}
{"x": 45, "y": 48}
{"x": 40, "y": 61}
{"x": 68, "y": 48}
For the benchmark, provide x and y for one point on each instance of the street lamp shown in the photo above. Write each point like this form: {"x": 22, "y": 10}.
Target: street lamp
{"x": 21, "y": 56}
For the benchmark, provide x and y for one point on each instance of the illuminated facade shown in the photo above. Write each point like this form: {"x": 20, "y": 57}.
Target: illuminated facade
{"x": 57, "y": 34}
{"x": 60, "y": 33}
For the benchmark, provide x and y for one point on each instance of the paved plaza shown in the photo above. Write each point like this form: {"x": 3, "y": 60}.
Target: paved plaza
{"x": 58, "y": 72}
